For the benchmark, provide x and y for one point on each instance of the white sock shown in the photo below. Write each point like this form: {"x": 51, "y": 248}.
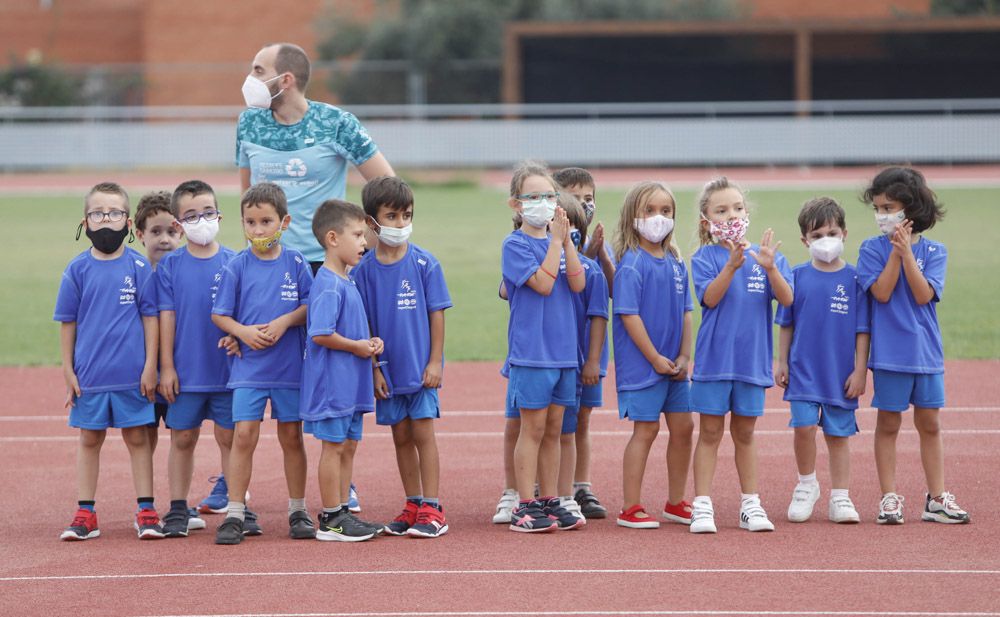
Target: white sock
{"x": 745, "y": 497}
{"x": 578, "y": 485}
{"x": 838, "y": 492}
{"x": 237, "y": 509}
{"x": 705, "y": 499}
{"x": 808, "y": 478}
{"x": 296, "y": 505}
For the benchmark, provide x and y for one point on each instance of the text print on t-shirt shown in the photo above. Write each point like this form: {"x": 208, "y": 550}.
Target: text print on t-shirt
{"x": 678, "y": 280}
{"x": 289, "y": 289}
{"x": 406, "y": 298}
{"x": 755, "y": 282}
{"x": 840, "y": 301}
{"x": 127, "y": 291}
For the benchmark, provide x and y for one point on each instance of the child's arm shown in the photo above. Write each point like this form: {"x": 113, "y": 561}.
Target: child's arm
{"x": 434, "y": 368}
{"x": 363, "y": 348}
{"x": 901, "y": 241}
{"x": 277, "y": 327}
{"x": 253, "y": 336}
{"x": 591, "y": 372}
{"x": 168, "y": 388}
{"x": 767, "y": 260}
{"x": 684, "y": 356}
{"x": 574, "y": 269}
{"x": 882, "y": 288}
{"x": 784, "y": 345}
{"x": 607, "y": 267}
{"x": 717, "y": 289}
{"x": 151, "y": 331}
{"x": 67, "y": 342}
{"x": 637, "y": 332}
{"x": 855, "y": 385}
{"x": 544, "y": 278}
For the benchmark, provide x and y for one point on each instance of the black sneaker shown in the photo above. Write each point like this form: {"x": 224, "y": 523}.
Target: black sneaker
{"x": 175, "y": 523}
{"x": 250, "y": 526}
{"x": 589, "y": 504}
{"x": 342, "y": 527}
{"x": 230, "y": 531}
{"x": 529, "y": 518}
{"x": 565, "y": 519}
{"x": 377, "y": 528}
{"x": 300, "y": 526}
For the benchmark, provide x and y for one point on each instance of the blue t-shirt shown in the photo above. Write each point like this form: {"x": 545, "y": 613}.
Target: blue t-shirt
{"x": 735, "y": 341}
{"x": 187, "y": 285}
{"x": 540, "y": 332}
{"x": 307, "y": 159}
{"x": 107, "y": 300}
{"x": 398, "y": 298}
{"x": 829, "y": 310}
{"x": 335, "y": 383}
{"x": 657, "y": 290}
{"x": 255, "y": 291}
{"x": 592, "y": 302}
{"x": 905, "y": 336}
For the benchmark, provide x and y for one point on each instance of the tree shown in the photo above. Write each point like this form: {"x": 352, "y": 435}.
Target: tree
{"x": 36, "y": 84}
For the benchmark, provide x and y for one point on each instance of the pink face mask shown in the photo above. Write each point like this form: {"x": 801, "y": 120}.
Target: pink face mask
{"x": 733, "y": 229}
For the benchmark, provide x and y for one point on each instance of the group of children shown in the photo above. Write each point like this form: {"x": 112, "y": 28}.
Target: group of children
{"x": 217, "y": 334}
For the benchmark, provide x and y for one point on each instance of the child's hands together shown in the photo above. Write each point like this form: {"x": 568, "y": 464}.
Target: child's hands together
{"x": 664, "y": 366}
{"x": 231, "y": 345}
{"x": 559, "y": 227}
{"x": 902, "y": 239}
{"x": 366, "y": 348}
{"x": 255, "y": 337}
{"x": 681, "y": 368}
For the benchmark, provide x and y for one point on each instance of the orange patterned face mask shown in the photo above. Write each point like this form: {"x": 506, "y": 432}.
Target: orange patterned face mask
{"x": 264, "y": 244}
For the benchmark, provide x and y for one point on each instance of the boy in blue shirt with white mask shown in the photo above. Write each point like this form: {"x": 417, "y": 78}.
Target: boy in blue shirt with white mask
{"x": 823, "y": 358}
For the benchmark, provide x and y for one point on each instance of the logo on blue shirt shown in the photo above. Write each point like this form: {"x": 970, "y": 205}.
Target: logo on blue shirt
{"x": 296, "y": 168}
{"x": 127, "y": 295}
{"x": 841, "y": 301}
{"x": 289, "y": 289}
{"x": 755, "y": 282}
{"x": 406, "y": 300}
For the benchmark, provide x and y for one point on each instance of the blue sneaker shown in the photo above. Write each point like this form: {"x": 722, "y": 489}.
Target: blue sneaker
{"x": 217, "y": 501}
{"x": 352, "y": 499}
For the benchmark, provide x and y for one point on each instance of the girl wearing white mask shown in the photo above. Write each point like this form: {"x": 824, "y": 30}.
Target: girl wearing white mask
{"x": 652, "y": 334}
{"x": 736, "y": 283}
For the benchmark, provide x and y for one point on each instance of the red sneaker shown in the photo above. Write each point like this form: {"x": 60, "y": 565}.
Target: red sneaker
{"x": 628, "y": 518}
{"x": 404, "y": 520}
{"x": 147, "y": 523}
{"x": 83, "y": 527}
{"x": 430, "y": 523}
{"x": 678, "y": 513}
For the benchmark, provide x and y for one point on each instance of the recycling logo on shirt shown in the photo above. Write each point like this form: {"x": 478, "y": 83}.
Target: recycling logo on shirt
{"x": 295, "y": 168}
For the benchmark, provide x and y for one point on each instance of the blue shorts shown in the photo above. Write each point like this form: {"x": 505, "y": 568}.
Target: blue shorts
{"x": 571, "y": 415}
{"x": 190, "y": 409}
{"x": 717, "y": 398}
{"x": 98, "y": 411}
{"x": 248, "y": 404}
{"x": 586, "y": 396}
{"x": 417, "y": 405}
{"x": 896, "y": 391}
{"x": 836, "y": 421}
{"x": 336, "y": 430}
{"x": 646, "y": 405}
{"x": 537, "y": 388}
{"x": 159, "y": 413}
{"x": 592, "y": 396}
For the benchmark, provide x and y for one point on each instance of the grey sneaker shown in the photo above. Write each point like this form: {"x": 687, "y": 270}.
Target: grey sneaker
{"x": 376, "y": 528}
{"x": 175, "y": 524}
{"x": 342, "y": 527}
{"x": 300, "y": 526}
{"x": 250, "y": 526}
{"x": 230, "y": 531}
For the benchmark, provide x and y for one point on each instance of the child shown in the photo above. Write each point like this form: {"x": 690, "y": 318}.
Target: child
{"x": 108, "y": 336}
{"x": 405, "y": 296}
{"x": 652, "y": 330}
{"x": 261, "y": 300}
{"x": 822, "y": 358}
{"x": 337, "y": 387}
{"x": 542, "y": 351}
{"x": 904, "y": 273}
{"x": 579, "y": 183}
{"x": 193, "y": 370}
{"x": 733, "y": 352}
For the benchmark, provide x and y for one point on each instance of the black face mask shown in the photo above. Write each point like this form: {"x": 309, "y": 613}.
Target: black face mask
{"x": 106, "y": 240}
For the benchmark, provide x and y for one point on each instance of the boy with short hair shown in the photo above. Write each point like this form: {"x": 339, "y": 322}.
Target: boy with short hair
{"x": 823, "y": 358}
{"x": 107, "y": 308}
{"x": 337, "y": 385}
{"x": 193, "y": 370}
{"x": 405, "y": 296}
{"x": 261, "y": 301}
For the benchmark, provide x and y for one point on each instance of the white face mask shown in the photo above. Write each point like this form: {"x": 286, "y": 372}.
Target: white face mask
{"x": 826, "y": 249}
{"x": 887, "y": 222}
{"x": 654, "y": 228}
{"x": 539, "y": 212}
{"x": 202, "y": 232}
{"x": 394, "y": 236}
{"x": 256, "y": 93}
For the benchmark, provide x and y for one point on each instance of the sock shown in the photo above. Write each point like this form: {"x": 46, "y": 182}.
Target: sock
{"x": 744, "y": 497}
{"x": 179, "y": 505}
{"x": 565, "y": 498}
{"x": 433, "y": 501}
{"x": 344, "y": 505}
{"x": 838, "y": 492}
{"x": 578, "y": 485}
{"x": 145, "y": 503}
{"x": 297, "y": 505}
{"x": 417, "y": 499}
{"x": 86, "y": 505}
{"x": 331, "y": 511}
{"x": 808, "y": 478}
{"x": 702, "y": 499}
{"x": 237, "y": 509}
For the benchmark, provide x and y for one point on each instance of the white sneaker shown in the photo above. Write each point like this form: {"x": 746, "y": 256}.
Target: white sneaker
{"x": 804, "y": 497}
{"x": 842, "y": 510}
{"x": 944, "y": 509}
{"x": 508, "y": 501}
{"x": 702, "y": 517}
{"x": 573, "y": 508}
{"x": 753, "y": 516}
{"x": 890, "y": 510}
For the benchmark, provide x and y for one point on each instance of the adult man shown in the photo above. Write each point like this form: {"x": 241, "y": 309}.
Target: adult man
{"x": 302, "y": 146}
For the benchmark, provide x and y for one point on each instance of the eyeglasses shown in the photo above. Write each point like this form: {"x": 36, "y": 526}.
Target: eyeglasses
{"x": 194, "y": 217}
{"x": 115, "y": 216}
{"x": 538, "y": 196}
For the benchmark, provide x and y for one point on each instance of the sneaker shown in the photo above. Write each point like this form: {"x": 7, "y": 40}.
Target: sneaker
{"x": 147, "y": 524}
{"x": 753, "y": 517}
{"x": 890, "y": 510}
{"x": 530, "y": 518}
{"x": 217, "y": 501}
{"x": 231, "y": 531}
{"x": 677, "y": 513}
{"x": 590, "y": 507}
{"x": 628, "y": 518}
{"x": 300, "y": 526}
{"x": 430, "y": 522}
{"x": 341, "y": 527}
{"x": 842, "y": 510}
{"x": 176, "y": 523}
{"x": 565, "y": 520}
{"x": 250, "y": 526}
{"x": 702, "y": 516}
{"x": 804, "y": 497}
{"x": 404, "y": 520}
{"x": 352, "y": 499}
{"x": 573, "y": 508}
{"x": 508, "y": 501}
{"x": 195, "y": 521}
{"x": 943, "y": 509}
{"x": 83, "y": 527}
{"x": 376, "y": 528}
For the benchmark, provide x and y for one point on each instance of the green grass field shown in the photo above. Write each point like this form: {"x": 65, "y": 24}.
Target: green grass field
{"x": 464, "y": 226}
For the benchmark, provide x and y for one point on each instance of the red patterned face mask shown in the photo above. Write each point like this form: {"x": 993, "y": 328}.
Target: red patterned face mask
{"x": 733, "y": 229}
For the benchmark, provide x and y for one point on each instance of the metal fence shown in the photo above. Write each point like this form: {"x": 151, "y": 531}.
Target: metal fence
{"x": 457, "y": 136}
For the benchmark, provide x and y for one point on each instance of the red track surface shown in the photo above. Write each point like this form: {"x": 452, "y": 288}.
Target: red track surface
{"x": 480, "y": 568}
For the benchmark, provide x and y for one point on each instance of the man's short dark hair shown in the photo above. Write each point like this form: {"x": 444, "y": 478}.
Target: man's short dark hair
{"x": 149, "y": 204}
{"x": 574, "y": 176}
{"x": 265, "y": 193}
{"x": 293, "y": 59}
{"x": 333, "y": 214}
{"x": 389, "y": 191}
{"x": 191, "y": 188}
{"x": 820, "y": 211}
